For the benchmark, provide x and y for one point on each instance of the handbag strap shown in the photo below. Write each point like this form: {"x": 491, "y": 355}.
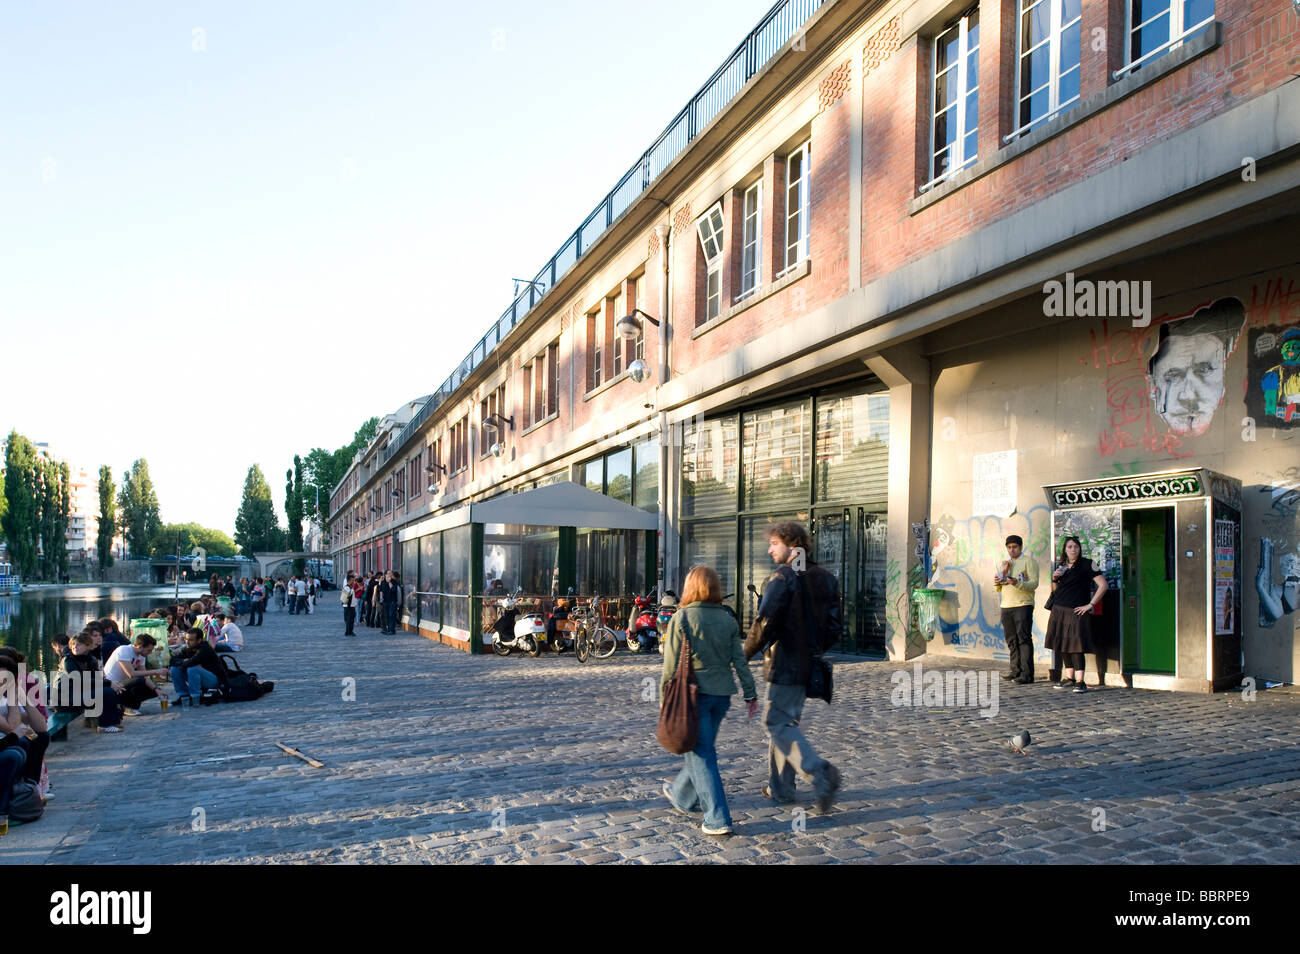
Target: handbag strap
{"x": 684, "y": 657}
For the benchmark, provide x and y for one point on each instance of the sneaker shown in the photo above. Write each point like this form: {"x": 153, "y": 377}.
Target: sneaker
{"x": 767, "y": 793}
{"x": 131, "y": 712}
{"x": 724, "y": 830}
{"x": 1064, "y": 684}
{"x": 109, "y": 728}
{"x": 825, "y": 802}
{"x": 668, "y": 795}
{"x": 1080, "y": 687}
{"x": 1010, "y": 676}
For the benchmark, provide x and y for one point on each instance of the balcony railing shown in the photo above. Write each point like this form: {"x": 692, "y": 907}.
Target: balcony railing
{"x": 774, "y": 31}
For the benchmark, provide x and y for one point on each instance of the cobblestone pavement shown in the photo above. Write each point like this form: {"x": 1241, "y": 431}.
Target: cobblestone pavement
{"x": 443, "y": 757}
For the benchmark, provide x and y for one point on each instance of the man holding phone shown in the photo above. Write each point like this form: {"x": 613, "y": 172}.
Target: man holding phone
{"x": 1015, "y": 580}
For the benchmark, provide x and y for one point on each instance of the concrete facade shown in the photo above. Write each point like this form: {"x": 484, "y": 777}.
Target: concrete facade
{"x": 1184, "y": 173}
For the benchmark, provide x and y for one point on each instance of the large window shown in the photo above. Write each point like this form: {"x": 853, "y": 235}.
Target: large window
{"x": 431, "y": 579}
{"x": 629, "y": 475}
{"x": 798, "y": 178}
{"x": 954, "y": 132}
{"x": 710, "y": 466}
{"x": 1158, "y": 26}
{"x": 456, "y": 577}
{"x": 751, "y": 271}
{"x": 710, "y": 228}
{"x": 541, "y": 386}
{"x": 1050, "y": 45}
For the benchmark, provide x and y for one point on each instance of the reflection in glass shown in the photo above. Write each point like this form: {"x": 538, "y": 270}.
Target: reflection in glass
{"x": 431, "y": 579}
{"x": 710, "y": 467}
{"x": 775, "y": 455}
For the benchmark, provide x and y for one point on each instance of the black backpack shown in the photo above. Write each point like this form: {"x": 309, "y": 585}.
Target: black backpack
{"x": 240, "y": 686}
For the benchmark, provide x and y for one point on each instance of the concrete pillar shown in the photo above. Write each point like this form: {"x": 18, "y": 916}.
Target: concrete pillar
{"x": 906, "y": 372}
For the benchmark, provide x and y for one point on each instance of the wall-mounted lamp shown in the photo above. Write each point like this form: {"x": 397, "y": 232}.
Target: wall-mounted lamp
{"x": 629, "y": 327}
{"x": 498, "y": 421}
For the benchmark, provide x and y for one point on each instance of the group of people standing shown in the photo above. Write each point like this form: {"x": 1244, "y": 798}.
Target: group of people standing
{"x": 379, "y": 596}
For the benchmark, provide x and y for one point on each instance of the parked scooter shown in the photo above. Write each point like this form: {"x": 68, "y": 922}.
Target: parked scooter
{"x": 515, "y": 632}
{"x": 643, "y": 625}
{"x": 667, "y": 607}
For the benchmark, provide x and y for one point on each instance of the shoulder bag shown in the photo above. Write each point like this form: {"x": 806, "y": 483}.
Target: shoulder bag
{"x": 679, "y": 715}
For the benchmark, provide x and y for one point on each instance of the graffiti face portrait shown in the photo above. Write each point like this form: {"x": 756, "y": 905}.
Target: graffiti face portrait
{"x": 1187, "y": 370}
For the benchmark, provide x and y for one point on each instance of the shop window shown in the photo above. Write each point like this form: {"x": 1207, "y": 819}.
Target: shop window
{"x": 708, "y": 488}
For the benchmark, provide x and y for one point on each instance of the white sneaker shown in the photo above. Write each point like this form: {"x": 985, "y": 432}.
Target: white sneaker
{"x": 715, "y": 831}
{"x": 110, "y": 728}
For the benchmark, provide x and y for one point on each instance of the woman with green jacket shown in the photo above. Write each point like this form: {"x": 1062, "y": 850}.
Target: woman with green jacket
{"x": 713, "y": 636}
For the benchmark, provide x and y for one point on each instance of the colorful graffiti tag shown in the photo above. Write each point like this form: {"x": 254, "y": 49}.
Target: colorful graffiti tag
{"x": 1273, "y": 377}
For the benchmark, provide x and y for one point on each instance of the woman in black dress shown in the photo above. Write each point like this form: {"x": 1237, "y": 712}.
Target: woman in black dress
{"x": 1069, "y": 628}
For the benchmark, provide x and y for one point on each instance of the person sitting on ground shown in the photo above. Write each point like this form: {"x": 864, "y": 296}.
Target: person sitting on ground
{"x": 81, "y": 664}
{"x": 22, "y": 724}
{"x": 113, "y": 638}
{"x": 59, "y": 643}
{"x": 194, "y": 669}
{"x": 126, "y": 672}
{"x": 230, "y": 639}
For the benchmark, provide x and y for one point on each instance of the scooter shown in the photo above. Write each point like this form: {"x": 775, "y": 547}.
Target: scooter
{"x": 667, "y": 607}
{"x": 513, "y": 631}
{"x": 643, "y": 625}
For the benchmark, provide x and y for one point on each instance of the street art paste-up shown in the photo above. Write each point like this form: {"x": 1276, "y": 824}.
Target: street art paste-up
{"x": 1186, "y": 373}
{"x": 1276, "y": 599}
{"x": 1273, "y": 375}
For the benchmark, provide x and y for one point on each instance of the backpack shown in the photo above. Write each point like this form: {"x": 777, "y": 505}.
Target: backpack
{"x": 25, "y": 804}
{"x": 240, "y": 686}
{"x": 345, "y": 595}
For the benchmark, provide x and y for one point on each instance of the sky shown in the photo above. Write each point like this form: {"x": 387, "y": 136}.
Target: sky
{"x": 232, "y": 231}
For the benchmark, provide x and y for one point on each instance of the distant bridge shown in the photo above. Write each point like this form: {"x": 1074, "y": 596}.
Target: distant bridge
{"x": 266, "y": 561}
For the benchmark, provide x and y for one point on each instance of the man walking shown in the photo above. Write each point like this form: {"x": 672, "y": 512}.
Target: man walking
{"x": 348, "y": 599}
{"x": 300, "y": 588}
{"x": 798, "y": 617}
{"x": 1015, "y": 580}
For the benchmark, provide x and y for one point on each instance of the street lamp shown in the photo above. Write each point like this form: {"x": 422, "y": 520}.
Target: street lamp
{"x": 498, "y": 422}
{"x": 432, "y": 470}
{"x": 629, "y": 328}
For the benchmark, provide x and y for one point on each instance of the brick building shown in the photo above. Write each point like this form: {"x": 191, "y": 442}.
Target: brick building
{"x": 922, "y": 274}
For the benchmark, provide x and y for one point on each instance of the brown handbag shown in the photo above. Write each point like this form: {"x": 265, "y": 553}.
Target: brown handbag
{"x": 679, "y": 713}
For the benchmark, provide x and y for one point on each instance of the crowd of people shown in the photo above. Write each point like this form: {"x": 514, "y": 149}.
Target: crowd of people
{"x": 379, "y": 597}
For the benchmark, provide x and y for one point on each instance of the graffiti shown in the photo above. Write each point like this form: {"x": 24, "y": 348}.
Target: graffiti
{"x": 1098, "y": 530}
{"x": 971, "y": 618}
{"x": 1130, "y": 423}
{"x": 1276, "y": 599}
{"x": 1276, "y": 304}
{"x": 1187, "y": 369}
{"x": 1284, "y": 493}
{"x": 1273, "y": 377}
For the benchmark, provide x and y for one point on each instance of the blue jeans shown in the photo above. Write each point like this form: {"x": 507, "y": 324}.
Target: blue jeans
{"x": 390, "y": 618}
{"x": 191, "y": 682}
{"x": 12, "y": 761}
{"x": 699, "y": 786}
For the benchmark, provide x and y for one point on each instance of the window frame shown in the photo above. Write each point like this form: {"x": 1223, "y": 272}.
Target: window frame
{"x": 803, "y": 230}
{"x": 1176, "y": 37}
{"x": 962, "y": 24}
{"x": 751, "y": 257}
{"x": 710, "y": 228}
{"x": 1055, "y": 31}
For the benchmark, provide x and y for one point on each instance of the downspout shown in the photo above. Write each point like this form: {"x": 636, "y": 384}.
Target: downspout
{"x": 665, "y": 311}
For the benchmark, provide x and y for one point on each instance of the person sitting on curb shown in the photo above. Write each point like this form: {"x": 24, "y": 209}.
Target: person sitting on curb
{"x": 81, "y": 664}
{"x": 230, "y": 639}
{"x": 194, "y": 669}
{"x": 21, "y": 723}
{"x": 61, "y": 646}
{"x": 126, "y": 671}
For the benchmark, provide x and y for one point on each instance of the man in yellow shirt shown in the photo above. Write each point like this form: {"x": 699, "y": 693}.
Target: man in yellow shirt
{"x": 1015, "y": 580}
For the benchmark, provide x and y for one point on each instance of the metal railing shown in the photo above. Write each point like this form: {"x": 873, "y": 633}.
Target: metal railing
{"x": 774, "y": 31}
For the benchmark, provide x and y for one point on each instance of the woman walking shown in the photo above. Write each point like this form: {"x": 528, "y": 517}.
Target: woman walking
{"x": 1069, "y": 628}
{"x": 713, "y": 637}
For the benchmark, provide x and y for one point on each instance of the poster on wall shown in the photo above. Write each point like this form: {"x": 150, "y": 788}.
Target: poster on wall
{"x": 1273, "y": 377}
{"x": 1225, "y": 560}
{"x": 994, "y": 484}
{"x": 1098, "y": 530}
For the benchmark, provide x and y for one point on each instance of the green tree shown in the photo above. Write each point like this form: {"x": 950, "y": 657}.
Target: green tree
{"x": 256, "y": 525}
{"x": 107, "y": 518}
{"x": 22, "y": 504}
{"x": 322, "y": 469}
{"x": 54, "y": 502}
{"x": 293, "y": 510}
{"x": 139, "y": 505}
{"x": 191, "y": 536}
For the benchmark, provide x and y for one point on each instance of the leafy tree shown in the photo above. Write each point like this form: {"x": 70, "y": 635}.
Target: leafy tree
{"x": 54, "y": 498}
{"x": 322, "y": 470}
{"x": 293, "y": 504}
{"x": 191, "y": 536}
{"x": 107, "y": 518}
{"x": 22, "y": 504}
{"x": 256, "y": 526}
{"x": 139, "y": 505}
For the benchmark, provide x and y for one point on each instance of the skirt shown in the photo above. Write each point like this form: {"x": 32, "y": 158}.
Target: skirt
{"x": 1068, "y": 632}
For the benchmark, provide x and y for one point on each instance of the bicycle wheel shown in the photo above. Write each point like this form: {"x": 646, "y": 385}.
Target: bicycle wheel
{"x": 606, "y": 643}
{"x": 582, "y": 649}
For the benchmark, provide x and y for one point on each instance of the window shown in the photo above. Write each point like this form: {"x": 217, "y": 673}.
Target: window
{"x": 1157, "y": 26}
{"x": 414, "y": 478}
{"x": 618, "y": 308}
{"x": 542, "y": 385}
{"x": 388, "y": 495}
{"x": 751, "y": 235}
{"x": 1050, "y": 44}
{"x": 634, "y": 302}
{"x": 494, "y": 403}
{"x": 710, "y": 226}
{"x": 798, "y": 172}
{"x": 432, "y": 473}
{"x": 459, "y": 441}
{"x": 595, "y": 347}
{"x": 954, "y": 133}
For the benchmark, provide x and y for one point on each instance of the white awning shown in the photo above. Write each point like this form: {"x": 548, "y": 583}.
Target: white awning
{"x": 565, "y": 504}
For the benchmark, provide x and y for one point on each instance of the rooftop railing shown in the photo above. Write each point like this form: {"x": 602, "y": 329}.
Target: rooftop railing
{"x": 778, "y": 27}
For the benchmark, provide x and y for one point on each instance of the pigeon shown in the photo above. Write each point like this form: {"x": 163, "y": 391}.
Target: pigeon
{"x": 1020, "y": 741}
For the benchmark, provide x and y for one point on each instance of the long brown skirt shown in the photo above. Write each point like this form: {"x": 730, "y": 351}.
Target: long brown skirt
{"x": 1068, "y": 632}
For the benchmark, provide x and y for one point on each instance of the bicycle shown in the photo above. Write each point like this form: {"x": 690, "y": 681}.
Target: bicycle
{"x": 593, "y": 638}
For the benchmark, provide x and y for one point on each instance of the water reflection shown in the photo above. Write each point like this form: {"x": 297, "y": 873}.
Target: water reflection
{"x": 28, "y": 621}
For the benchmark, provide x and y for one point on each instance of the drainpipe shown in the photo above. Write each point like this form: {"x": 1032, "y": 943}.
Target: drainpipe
{"x": 665, "y": 312}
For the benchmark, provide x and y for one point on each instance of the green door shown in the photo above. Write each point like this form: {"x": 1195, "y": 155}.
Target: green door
{"x": 1149, "y": 590}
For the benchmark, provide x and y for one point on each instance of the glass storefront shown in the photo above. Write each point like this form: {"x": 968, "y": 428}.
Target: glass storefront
{"x": 456, "y": 577}
{"x": 521, "y": 556}
{"x": 431, "y": 579}
{"x": 821, "y": 459}
{"x": 629, "y": 475}
{"x": 410, "y": 579}
{"x": 611, "y": 562}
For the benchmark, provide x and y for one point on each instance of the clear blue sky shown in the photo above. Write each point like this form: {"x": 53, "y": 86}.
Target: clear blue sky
{"x": 225, "y": 247}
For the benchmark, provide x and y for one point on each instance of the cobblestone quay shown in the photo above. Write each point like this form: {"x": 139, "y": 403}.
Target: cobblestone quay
{"x": 444, "y": 757}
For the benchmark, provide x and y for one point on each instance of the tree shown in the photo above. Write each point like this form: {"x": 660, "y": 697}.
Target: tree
{"x": 191, "y": 536}
{"x": 293, "y": 509}
{"x": 22, "y": 504}
{"x": 54, "y": 500}
{"x": 322, "y": 470}
{"x": 256, "y": 525}
{"x": 139, "y": 505}
{"x": 107, "y": 518}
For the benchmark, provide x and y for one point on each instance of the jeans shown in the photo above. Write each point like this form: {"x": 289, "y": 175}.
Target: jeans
{"x": 257, "y": 611}
{"x": 112, "y": 709}
{"x": 12, "y": 761}
{"x": 192, "y": 681}
{"x": 698, "y": 787}
{"x": 135, "y": 691}
{"x": 349, "y": 619}
{"x": 35, "y": 750}
{"x": 789, "y": 751}
{"x": 1016, "y": 627}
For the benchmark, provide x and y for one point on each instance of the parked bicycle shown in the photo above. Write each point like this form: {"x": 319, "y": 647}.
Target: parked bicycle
{"x": 592, "y": 638}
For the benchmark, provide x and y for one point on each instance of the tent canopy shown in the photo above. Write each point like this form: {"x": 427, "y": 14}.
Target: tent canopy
{"x": 564, "y": 504}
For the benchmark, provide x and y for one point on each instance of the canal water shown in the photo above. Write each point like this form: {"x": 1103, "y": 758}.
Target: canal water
{"x": 28, "y": 621}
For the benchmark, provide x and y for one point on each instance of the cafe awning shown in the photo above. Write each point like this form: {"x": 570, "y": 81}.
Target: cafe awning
{"x": 564, "y": 504}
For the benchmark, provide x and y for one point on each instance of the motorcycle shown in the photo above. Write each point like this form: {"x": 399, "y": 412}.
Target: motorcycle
{"x": 515, "y": 631}
{"x": 667, "y": 607}
{"x": 643, "y": 625}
